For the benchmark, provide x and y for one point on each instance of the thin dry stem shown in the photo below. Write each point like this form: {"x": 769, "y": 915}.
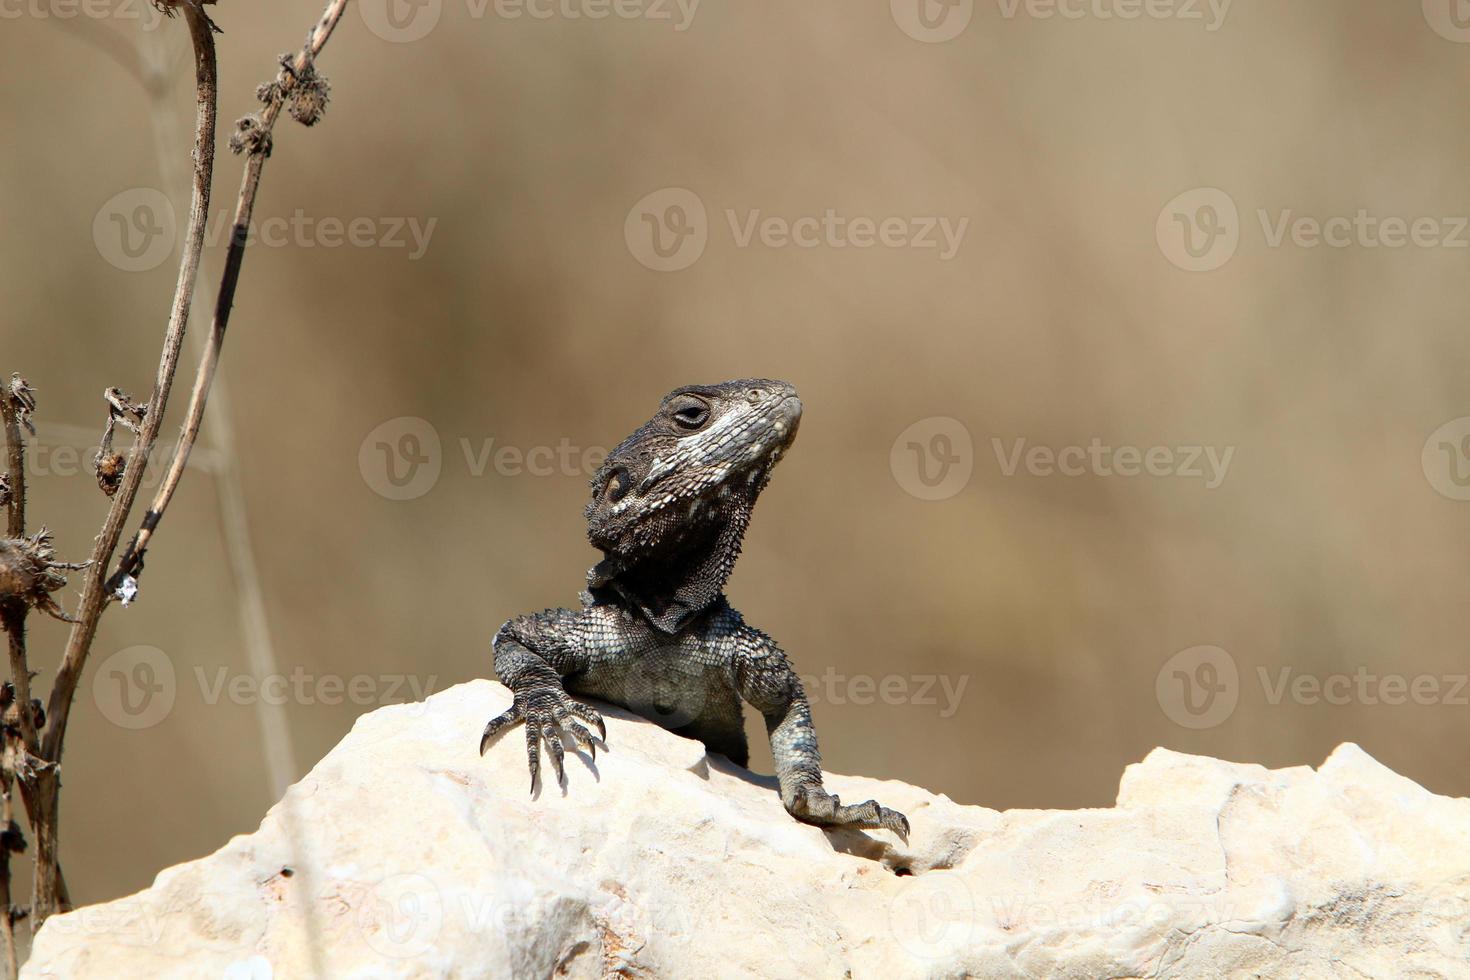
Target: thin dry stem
{"x": 50, "y": 890}
{"x": 94, "y": 593}
{"x": 258, "y": 147}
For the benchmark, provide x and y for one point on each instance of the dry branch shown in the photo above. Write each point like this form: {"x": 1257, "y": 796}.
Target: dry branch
{"x": 34, "y": 767}
{"x": 297, "y": 86}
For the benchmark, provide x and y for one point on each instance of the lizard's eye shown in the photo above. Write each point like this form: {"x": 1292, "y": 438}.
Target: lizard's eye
{"x": 689, "y": 412}
{"x": 617, "y": 485}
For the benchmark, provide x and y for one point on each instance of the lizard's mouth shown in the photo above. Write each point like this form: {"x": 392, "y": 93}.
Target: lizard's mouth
{"x": 788, "y": 418}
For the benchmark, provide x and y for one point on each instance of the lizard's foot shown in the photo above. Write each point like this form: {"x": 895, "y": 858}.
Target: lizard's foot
{"x": 546, "y": 709}
{"x": 814, "y": 805}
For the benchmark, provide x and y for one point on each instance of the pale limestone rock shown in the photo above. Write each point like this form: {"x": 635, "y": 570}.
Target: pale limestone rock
{"x": 411, "y": 856}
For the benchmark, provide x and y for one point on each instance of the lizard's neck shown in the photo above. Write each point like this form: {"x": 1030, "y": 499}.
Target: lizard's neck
{"x": 671, "y": 589}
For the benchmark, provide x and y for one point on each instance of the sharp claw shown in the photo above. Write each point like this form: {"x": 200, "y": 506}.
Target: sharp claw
{"x": 592, "y": 715}
{"x": 533, "y": 752}
{"x": 493, "y": 727}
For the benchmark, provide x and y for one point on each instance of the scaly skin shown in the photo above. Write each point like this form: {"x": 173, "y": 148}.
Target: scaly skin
{"x": 655, "y": 635}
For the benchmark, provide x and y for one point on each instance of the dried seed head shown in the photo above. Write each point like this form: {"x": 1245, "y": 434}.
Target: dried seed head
{"x": 29, "y": 573}
{"x": 110, "y": 469}
{"x": 309, "y": 97}
{"x": 250, "y": 137}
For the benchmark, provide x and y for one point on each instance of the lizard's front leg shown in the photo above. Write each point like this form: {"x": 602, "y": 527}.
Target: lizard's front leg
{"x": 532, "y": 655}
{"x": 764, "y": 678}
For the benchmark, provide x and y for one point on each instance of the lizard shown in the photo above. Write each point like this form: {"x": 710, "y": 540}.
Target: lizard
{"x": 655, "y": 634}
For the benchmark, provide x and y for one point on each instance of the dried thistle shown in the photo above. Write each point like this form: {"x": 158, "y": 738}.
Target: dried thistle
{"x": 250, "y": 137}
{"x": 29, "y": 573}
{"x": 309, "y": 98}
{"x": 110, "y": 470}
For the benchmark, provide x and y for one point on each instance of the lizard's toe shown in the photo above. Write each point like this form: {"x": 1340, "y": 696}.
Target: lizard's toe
{"x": 558, "y": 752}
{"x": 589, "y": 714}
{"x": 814, "y": 805}
{"x": 497, "y": 725}
{"x": 894, "y": 821}
{"x": 533, "y": 754}
{"x": 583, "y": 737}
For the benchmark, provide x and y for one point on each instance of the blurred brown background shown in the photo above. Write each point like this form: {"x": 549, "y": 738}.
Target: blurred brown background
{"x": 1063, "y": 317}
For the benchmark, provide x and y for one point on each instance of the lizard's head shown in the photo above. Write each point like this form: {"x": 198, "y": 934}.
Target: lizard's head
{"x": 671, "y": 503}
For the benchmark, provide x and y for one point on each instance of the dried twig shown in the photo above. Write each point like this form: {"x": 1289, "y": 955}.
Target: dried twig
{"x": 280, "y": 755}
{"x": 14, "y": 616}
{"x": 50, "y": 890}
{"x": 32, "y": 750}
{"x": 299, "y": 88}
{"x": 12, "y": 841}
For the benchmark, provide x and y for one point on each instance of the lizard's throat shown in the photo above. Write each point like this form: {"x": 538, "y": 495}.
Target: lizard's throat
{"x": 671, "y": 588}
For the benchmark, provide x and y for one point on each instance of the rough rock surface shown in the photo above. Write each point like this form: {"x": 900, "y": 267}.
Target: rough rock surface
{"x": 404, "y": 854}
